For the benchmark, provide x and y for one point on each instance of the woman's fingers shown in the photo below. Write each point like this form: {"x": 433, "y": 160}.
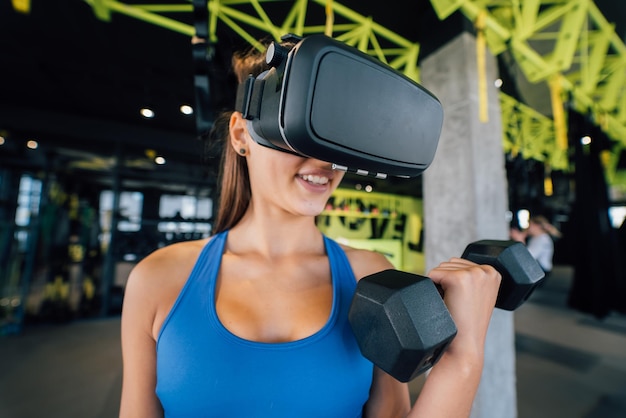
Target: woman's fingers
{"x": 469, "y": 291}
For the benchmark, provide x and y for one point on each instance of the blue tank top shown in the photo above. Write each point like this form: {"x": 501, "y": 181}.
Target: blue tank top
{"x": 203, "y": 370}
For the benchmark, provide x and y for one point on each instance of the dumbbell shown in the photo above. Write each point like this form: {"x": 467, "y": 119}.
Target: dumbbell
{"x": 401, "y": 323}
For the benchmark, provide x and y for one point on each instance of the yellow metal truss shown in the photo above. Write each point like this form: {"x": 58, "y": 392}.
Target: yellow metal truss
{"x": 22, "y": 6}
{"x": 530, "y": 134}
{"x": 564, "y": 42}
{"x": 247, "y": 17}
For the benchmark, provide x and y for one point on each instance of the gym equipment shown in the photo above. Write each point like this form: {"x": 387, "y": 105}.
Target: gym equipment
{"x": 401, "y": 322}
{"x": 389, "y": 124}
{"x": 521, "y": 274}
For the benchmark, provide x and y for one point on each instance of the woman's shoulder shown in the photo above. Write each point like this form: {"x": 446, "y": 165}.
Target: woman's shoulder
{"x": 172, "y": 263}
{"x": 155, "y": 282}
{"x": 365, "y": 262}
{"x": 173, "y": 256}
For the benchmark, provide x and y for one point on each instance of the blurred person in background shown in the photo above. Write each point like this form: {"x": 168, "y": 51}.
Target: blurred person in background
{"x": 539, "y": 239}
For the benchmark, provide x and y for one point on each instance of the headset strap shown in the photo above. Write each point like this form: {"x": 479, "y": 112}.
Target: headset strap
{"x": 249, "y": 94}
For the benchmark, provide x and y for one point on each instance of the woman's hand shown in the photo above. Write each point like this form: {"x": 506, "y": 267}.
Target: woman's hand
{"x": 469, "y": 291}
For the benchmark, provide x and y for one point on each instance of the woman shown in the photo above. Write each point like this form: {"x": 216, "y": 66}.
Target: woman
{"x": 539, "y": 239}
{"x": 253, "y": 321}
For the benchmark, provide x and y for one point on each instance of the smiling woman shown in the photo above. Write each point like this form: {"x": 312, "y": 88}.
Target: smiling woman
{"x": 253, "y": 321}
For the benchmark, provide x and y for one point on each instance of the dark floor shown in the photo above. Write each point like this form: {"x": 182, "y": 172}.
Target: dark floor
{"x": 569, "y": 364}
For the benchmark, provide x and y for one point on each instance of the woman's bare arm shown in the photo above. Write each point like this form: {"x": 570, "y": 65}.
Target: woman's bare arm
{"x": 139, "y": 347}
{"x": 470, "y": 292}
{"x": 151, "y": 290}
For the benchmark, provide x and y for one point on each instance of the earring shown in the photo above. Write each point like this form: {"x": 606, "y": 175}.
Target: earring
{"x": 242, "y": 151}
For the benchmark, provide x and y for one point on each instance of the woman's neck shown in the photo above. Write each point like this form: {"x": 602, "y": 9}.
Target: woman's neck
{"x": 275, "y": 236}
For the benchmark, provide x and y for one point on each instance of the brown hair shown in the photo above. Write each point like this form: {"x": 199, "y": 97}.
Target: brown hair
{"x": 234, "y": 182}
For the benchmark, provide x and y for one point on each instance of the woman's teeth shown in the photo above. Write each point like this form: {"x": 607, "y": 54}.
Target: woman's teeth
{"x": 315, "y": 179}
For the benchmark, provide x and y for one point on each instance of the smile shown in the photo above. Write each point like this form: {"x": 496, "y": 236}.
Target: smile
{"x": 315, "y": 179}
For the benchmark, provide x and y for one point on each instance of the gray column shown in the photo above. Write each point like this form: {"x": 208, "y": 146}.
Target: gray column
{"x": 465, "y": 197}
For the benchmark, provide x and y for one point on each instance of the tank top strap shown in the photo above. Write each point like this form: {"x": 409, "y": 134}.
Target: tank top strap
{"x": 209, "y": 261}
{"x": 340, "y": 267}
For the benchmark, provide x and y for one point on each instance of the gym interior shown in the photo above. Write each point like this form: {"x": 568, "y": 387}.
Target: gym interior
{"x": 105, "y": 157}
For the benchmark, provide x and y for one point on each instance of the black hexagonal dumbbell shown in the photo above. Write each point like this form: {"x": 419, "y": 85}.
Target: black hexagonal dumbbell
{"x": 401, "y": 323}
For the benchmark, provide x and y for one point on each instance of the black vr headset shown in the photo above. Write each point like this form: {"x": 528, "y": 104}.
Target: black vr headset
{"x": 326, "y": 100}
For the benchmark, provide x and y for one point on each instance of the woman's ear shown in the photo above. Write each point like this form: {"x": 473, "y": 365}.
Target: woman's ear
{"x": 238, "y": 132}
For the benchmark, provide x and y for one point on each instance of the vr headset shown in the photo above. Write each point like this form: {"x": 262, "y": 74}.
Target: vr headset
{"x": 326, "y": 100}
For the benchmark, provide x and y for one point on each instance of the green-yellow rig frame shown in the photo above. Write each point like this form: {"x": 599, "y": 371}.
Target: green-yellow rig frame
{"x": 567, "y": 44}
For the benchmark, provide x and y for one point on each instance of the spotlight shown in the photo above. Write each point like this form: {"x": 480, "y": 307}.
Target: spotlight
{"x": 159, "y": 160}
{"x": 186, "y": 109}
{"x": 32, "y": 144}
{"x": 147, "y": 112}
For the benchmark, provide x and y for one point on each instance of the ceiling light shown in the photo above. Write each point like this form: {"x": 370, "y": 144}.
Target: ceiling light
{"x": 1, "y": 140}
{"x": 523, "y": 218}
{"x": 186, "y": 109}
{"x": 147, "y": 112}
{"x": 585, "y": 140}
{"x": 32, "y": 144}
{"x": 159, "y": 160}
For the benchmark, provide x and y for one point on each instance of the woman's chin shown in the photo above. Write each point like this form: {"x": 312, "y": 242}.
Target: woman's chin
{"x": 313, "y": 209}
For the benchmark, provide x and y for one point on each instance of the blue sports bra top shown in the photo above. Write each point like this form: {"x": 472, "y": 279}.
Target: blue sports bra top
{"x": 203, "y": 370}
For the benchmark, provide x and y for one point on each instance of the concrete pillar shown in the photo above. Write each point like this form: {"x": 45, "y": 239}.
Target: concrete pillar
{"x": 465, "y": 197}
